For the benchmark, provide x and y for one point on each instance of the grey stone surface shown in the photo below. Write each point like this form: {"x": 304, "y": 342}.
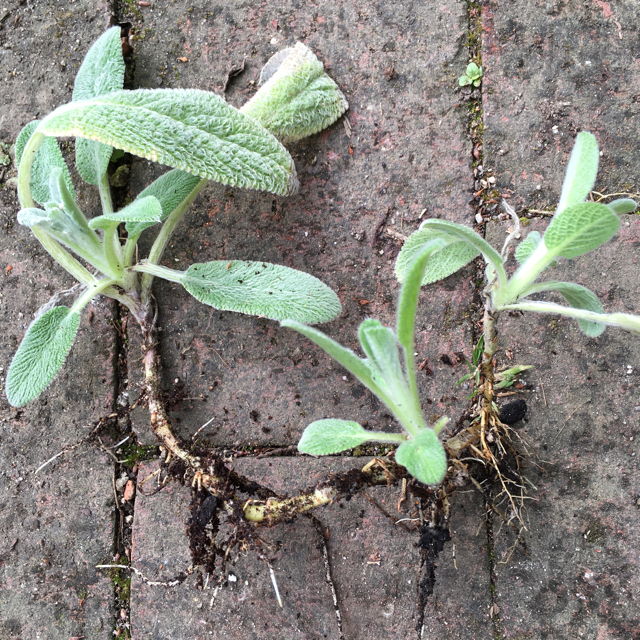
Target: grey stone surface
{"x": 57, "y": 525}
{"x": 551, "y": 71}
{"x": 407, "y": 152}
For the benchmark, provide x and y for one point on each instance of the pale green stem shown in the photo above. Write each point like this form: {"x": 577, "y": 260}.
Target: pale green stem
{"x": 625, "y": 321}
{"x": 158, "y": 270}
{"x": 386, "y": 437}
{"x": 57, "y": 252}
{"x": 112, "y": 247}
{"x": 525, "y": 275}
{"x": 111, "y": 252}
{"x": 90, "y": 294}
{"x": 130, "y": 279}
{"x": 161, "y": 241}
{"x": 105, "y": 194}
{"x": 63, "y": 257}
{"x": 129, "y": 301}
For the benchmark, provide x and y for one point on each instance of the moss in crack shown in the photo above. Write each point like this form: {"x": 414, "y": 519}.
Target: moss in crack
{"x": 131, "y": 453}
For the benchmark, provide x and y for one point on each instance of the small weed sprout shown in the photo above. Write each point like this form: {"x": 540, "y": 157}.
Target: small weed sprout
{"x": 205, "y": 139}
{"x": 472, "y": 76}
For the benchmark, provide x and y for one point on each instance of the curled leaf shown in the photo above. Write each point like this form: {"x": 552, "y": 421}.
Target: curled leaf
{"x": 424, "y": 457}
{"x": 298, "y": 98}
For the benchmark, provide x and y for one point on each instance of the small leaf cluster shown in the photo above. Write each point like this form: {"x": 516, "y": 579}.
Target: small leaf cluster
{"x": 576, "y": 228}
{"x": 388, "y": 371}
{"x": 202, "y": 138}
{"x": 472, "y": 76}
{"x": 434, "y": 252}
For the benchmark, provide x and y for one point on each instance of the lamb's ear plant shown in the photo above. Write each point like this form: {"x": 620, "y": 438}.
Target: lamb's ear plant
{"x": 576, "y": 228}
{"x": 204, "y": 139}
{"x": 388, "y": 371}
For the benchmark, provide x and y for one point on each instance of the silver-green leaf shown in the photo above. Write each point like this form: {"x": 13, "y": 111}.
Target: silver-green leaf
{"x": 142, "y": 212}
{"x": 622, "y": 206}
{"x": 101, "y": 71}
{"x": 298, "y": 98}
{"x": 359, "y": 367}
{"x": 41, "y": 354}
{"x": 528, "y": 246}
{"x": 580, "y": 228}
{"x": 581, "y": 171}
{"x": 172, "y": 189}
{"x": 48, "y": 157}
{"x": 424, "y": 457}
{"x": 325, "y": 437}
{"x": 192, "y": 130}
{"x": 261, "y": 289}
{"x": 452, "y": 256}
{"x": 578, "y": 297}
{"x": 460, "y": 232}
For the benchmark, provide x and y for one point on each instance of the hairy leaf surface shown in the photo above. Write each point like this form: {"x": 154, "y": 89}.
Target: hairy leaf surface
{"x": 465, "y": 234}
{"x": 528, "y": 246}
{"x": 580, "y": 228}
{"x": 324, "y": 437}
{"x": 41, "y": 354}
{"x": 142, "y": 212}
{"x": 452, "y": 256}
{"x": 578, "y": 297}
{"x": 298, "y": 98}
{"x": 581, "y": 171}
{"x": 191, "y": 130}
{"x": 262, "y": 289}
{"x": 622, "y": 206}
{"x": 102, "y": 71}
{"x": 172, "y": 190}
{"x": 359, "y": 367}
{"x": 48, "y": 157}
{"x": 424, "y": 457}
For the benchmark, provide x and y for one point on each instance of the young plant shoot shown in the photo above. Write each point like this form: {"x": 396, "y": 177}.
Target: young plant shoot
{"x": 204, "y": 139}
{"x": 388, "y": 371}
{"x": 576, "y": 228}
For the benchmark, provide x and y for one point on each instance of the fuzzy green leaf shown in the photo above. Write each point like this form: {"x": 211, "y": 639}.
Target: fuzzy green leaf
{"x": 360, "y": 368}
{"x": 578, "y": 297}
{"x": 581, "y": 171}
{"x": 261, "y": 289}
{"x": 463, "y": 233}
{"x": 192, "y": 130}
{"x": 381, "y": 348}
{"x": 424, "y": 457}
{"x": 102, "y": 71}
{"x": 48, "y": 157}
{"x": 142, "y": 212}
{"x": 622, "y": 206}
{"x": 41, "y": 354}
{"x": 580, "y": 228}
{"x": 324, "y": 437}
{"x": 452, "y": 256}
{"x": 528, "y": 246}
{"x": 298, "y": 98}
{"x": 171, "y": 189}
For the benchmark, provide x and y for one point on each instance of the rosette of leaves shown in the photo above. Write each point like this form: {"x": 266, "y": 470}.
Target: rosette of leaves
{"x": 577, "y": 227}
{"x": 388, "y": 371}
{"x": 202, "y": 138}
{"x": 472, "y": 76}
